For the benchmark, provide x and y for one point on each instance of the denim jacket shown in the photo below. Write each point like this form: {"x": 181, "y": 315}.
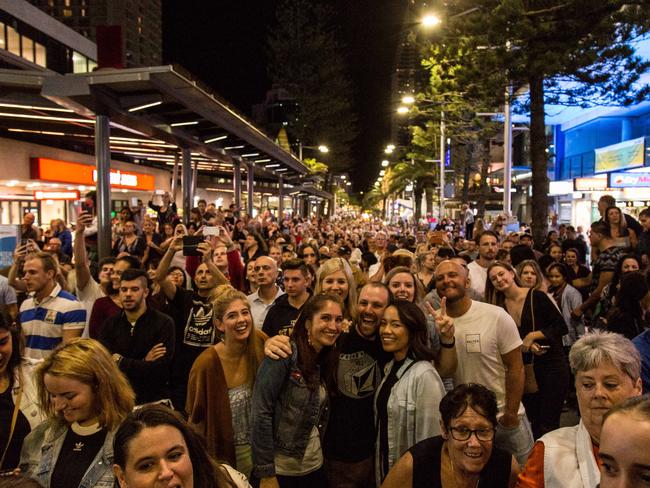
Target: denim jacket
{"x": 41, "y": 450}
{"x": 285, "y": 412}
{"x": 413, "y": 413}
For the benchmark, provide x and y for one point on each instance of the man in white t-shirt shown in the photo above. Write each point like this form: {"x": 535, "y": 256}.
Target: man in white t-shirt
{"x": 87, "y": 289}
{"x": 489, "y": 352}
{"x": 488, "y": 244}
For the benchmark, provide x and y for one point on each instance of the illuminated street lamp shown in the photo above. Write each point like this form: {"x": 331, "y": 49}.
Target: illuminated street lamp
{"x": 322, "y": 148}
{"x": 408, "y": 100}
{"x": 402, "y": 110}
{"x": 431, "y": 20}
{"x": 384, "y": 163}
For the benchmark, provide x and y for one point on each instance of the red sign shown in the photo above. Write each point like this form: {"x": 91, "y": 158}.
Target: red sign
{"x": 56, "y": 195}
{"x": 85, "y": 174}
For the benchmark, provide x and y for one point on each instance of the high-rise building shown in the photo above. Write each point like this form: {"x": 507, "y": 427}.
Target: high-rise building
{"x": 139, "y": 20}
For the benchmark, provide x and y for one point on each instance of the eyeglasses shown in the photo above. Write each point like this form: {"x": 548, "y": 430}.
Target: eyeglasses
{"x": 463, "y": 434}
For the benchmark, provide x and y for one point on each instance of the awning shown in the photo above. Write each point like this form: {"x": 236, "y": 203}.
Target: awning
{"x": 154, "y": 111}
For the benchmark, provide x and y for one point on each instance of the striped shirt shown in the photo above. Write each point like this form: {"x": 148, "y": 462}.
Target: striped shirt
{"x": 43, "y": 323}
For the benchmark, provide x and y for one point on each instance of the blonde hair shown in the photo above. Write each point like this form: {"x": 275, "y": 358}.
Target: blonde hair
{"x": 331, "y": 266}
{"x": 225, "y": 295}
{"x": 88, "y": 362}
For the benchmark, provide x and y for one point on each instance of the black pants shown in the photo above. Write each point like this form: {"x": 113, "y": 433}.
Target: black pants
{"x": 317, "y": 479}
{"x": 545, "y": 407}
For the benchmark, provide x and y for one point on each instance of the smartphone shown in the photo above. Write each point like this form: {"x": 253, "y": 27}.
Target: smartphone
{"x": 211, "y": 230}
{"x": 23, "y": 241}
{"x": 544, "y": 348}
{"x": 191, "y": 244}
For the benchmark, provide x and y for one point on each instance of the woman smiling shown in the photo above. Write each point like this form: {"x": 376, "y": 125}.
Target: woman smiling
{"x": 221, "y": 381}
{"x": 406, "y": 402}
{"x": 464, "y": 455}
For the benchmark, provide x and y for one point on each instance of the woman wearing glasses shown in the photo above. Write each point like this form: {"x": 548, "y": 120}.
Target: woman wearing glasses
{"x": 463, "y": 456}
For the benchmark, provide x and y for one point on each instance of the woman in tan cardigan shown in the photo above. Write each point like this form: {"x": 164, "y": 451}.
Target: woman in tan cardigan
{"x": 221, "y": 381}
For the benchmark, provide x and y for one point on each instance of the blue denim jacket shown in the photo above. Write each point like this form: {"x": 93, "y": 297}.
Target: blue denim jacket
{"x": 284, "y": 413}
{"x": 41, "y": 450}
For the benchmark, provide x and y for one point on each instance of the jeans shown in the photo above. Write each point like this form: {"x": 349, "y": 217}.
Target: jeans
{"x": 518, "y": 440}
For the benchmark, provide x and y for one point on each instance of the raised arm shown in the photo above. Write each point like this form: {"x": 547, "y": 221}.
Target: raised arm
{"x": 166, "y": 286}
{"x": 81, "y": 267}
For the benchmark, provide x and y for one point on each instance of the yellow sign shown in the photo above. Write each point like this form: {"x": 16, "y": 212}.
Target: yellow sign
{"x": 624, "y": 155}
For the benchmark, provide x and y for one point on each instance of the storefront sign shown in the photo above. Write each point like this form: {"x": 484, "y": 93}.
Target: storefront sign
{"x": 9, "y": 235}
{"x": 624, "y": 155}
{"x": 595, "y": 183}
{"x": 85, "y": 174}
{"x": 629, "y": 180}
{"x": 56, "y": 195}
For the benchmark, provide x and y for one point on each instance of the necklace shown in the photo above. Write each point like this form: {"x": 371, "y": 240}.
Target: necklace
{"x": 453, "y": 470}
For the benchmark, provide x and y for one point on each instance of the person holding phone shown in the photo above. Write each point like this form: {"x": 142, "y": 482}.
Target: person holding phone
{"x": 541, "y": 327}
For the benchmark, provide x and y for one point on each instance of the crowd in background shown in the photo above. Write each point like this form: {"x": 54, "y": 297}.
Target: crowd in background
{"x": 324, "y": 352}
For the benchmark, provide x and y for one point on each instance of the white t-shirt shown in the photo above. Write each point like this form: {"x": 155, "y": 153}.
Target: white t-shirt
{"x": 484, "y": 334}
{"x": 87, "y": 296}
{"x": 477, "y": 278}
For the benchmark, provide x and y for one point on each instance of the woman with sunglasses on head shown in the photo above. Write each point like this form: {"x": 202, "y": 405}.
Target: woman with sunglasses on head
{"x": 464, "y": 455}
{"x": 541, "y": 327}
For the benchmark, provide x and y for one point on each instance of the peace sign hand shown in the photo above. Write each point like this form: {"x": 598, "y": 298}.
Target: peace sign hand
{"x": 444, "y": 323}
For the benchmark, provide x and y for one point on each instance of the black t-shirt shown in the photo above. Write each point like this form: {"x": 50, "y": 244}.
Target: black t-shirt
{"x": 281, "y": 317}
{"x": 350, "y": 435}
{"x": 426, "y": 466}
{"x": 382, "y": 412}
{"x": 76, "y": 456}
{"x": 195, "y": 332}
{"x": 21, "y": 430}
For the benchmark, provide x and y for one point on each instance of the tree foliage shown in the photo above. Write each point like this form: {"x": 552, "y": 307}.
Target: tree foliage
{"x": 565, "y": 51}
{"x": 306, "y": 58}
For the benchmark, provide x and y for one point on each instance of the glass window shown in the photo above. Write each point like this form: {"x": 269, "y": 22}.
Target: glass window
{"x": 3, "y": 43}
{"x": 40, "y": 55}
{"x": 13, "y": 41}
{"x": 28, "y": 49}
{"x": 92, "y": 65}
{"x": 79, "y": 63}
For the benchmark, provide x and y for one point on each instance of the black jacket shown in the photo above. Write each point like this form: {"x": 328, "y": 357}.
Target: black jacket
{"x": 149, "y": 379}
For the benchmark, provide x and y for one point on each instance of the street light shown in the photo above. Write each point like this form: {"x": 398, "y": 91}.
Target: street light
{"x": 408, "y": 100}
{"x": 322, "y": 148}
{"x": 431, "y": 20}
{"x": 402, "y": 110}
{"x": 385, "y": 163}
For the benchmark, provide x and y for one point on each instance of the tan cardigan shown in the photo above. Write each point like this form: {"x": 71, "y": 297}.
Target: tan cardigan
{"x": 208, "y": 404}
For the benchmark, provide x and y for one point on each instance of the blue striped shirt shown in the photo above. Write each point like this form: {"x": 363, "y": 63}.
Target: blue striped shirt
{"x": 44, "y": 322}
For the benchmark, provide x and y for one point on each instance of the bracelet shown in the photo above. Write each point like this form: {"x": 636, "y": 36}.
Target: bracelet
{"x": 448, "y": 346}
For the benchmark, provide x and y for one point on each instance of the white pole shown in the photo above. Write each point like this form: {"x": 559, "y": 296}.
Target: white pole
{"x": 442, "y": 165}
{"x": 507, "y": 154}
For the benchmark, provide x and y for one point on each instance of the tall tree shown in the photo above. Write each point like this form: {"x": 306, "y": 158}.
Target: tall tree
{"x": 565, "y": 51}
{"x": 305, "y": 57}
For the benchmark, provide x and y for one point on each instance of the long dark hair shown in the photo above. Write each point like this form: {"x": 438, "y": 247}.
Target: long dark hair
{"x": 416, "y": 323}
{"x": 308, "y": 358}
{"x": 618, "y": 275}
{"x": 17, "y": 347}
{"x": 207, "y": 472}
{"x": 633, "y": 288}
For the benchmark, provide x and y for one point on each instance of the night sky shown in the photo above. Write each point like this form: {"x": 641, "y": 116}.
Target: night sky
{"x": 223, "y": 44}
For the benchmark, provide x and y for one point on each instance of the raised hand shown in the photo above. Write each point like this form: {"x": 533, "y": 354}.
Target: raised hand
{"x": 444, "y": 323}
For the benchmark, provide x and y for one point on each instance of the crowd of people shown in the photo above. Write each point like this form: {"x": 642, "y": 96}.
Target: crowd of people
{"x": 325, "y": 352}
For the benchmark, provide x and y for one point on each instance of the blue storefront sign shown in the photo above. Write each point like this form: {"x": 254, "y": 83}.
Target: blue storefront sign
{"x": 9, "y": 235}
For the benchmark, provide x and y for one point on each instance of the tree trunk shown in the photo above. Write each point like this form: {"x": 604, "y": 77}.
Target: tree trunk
{"x": 428, "y": 191}
{"x": 485, "y": 189}
{"x": 417, "y": 196}
{"x": 466, "y": 175}
{"x": 539, "y": 160}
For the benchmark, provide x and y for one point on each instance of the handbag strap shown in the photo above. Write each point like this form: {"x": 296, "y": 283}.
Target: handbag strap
{"x": 14, "y": 419}
{"x": 532, "y": 314}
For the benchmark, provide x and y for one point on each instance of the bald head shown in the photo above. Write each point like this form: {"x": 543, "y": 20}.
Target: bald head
{"x": 452, "y": 281}
{"x": 266, "y": 271}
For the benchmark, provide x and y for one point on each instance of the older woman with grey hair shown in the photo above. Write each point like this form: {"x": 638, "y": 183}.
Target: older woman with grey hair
{"x": 607, "y": 370}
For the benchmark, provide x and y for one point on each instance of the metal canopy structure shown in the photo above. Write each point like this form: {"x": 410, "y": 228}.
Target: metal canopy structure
{"x": 153, "y": 116}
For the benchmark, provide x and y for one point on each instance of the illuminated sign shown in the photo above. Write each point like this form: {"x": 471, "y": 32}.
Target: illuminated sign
{"x": 56, "y": 195}
{"x": 629, "y": 180}
{"x": 624, "y": 155}
{"x": 85, "y": 174}
{"x": 595, "y": 183}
